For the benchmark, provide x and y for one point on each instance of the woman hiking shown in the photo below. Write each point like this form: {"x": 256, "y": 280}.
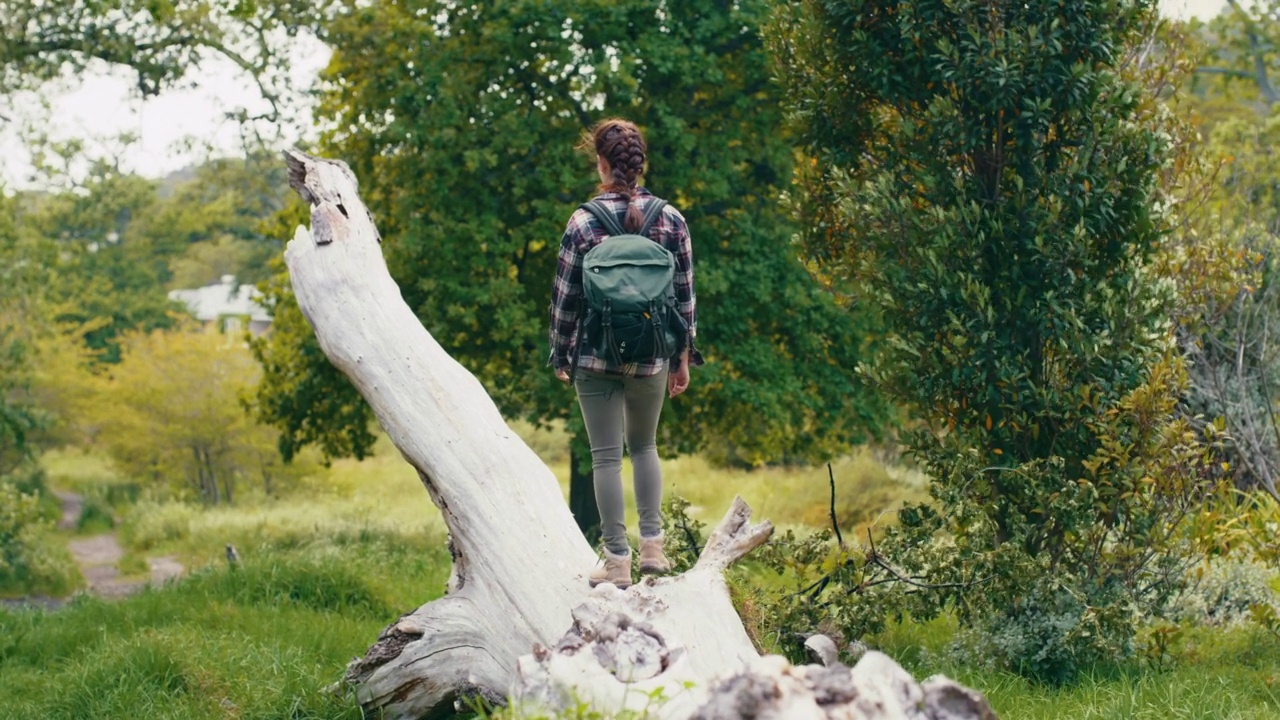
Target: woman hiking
{"x": 621, "y": 400}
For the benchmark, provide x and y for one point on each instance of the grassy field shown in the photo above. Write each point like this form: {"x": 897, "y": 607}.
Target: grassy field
{"x": 349, "y": 549}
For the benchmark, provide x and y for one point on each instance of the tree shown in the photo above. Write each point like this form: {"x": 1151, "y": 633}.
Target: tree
{"x": 42, "y": 40}
{"x": 92, "y": 260}
{"x": 170, "y": 412}
{"x": 1240, "y": 55}
{"x": 461, "y": 120}
{"x": 213, "y": 222}
{"x": 19, "y": 417}
{"x": 19, "y": 414}
{"x": 986, "y": 176}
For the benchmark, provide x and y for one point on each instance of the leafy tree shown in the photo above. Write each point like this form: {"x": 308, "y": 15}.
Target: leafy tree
{"x": 986, "y": 175}
{"x": 461, "y": 122}
{"x": 95, "y": 263}
{"x": 171, "y": 412}
{"x": 211, "y": 223}
{"x": 42, "y": 40}
{"x": 19, "y": 417}
{"x": 1239, "y": 53}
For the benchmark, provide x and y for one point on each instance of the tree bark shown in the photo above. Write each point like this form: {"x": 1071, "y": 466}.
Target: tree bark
{"x": 520, "y": 562}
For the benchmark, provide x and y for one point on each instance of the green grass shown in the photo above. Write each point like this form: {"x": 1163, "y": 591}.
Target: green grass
{"x": 257, "y": 641}
{"x": 348, "y": 549}
{"x": 867, "y": 490}
{"x": 1210, "y": 674}
{"x": 87, "y": 473}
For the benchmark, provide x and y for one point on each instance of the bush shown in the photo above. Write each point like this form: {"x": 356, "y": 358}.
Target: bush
{"x": 30, "y": 561}
{"x": 149, "y": 524}
{"x": 1226, "y": 592}
{"x": 1052, "y": 633}
{"x": 30, "y": 479}
{"x": 988, "y": 178}
{"x": 95, "y": 515}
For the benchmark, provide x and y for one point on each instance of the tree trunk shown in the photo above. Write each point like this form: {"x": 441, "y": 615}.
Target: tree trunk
{"x": 582, "y": 491}
{"x": 520, "y": 562}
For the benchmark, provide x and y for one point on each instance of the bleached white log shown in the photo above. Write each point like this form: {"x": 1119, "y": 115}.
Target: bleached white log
{"x": 520, "y": 563}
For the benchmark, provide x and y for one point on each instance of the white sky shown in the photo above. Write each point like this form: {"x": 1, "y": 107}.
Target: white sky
{"x": 103, "y": 106}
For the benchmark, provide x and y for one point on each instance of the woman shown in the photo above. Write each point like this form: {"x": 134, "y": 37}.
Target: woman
{"x": 622, "y": 402}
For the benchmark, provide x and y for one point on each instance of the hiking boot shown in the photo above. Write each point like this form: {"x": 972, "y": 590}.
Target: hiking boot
{"x": 652, "y": 560}
{"x": 616, "y": 570}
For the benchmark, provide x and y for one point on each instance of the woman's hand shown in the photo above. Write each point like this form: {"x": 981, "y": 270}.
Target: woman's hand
{"x": 678, "y": 380}
{"x": 562, "y": 374}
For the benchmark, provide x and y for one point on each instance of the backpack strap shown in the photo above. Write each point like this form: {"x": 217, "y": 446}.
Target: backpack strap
{"x": 605, "y": 216}
{"x": 610, "y": 221}
{"x": 651, "y": 215}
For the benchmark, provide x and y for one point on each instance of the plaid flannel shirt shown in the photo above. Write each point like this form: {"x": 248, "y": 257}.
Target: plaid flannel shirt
{"x": 584, "y": 232}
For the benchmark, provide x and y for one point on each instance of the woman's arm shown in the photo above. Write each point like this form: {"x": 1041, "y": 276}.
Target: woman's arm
{"x": 565, "y": 292}
{"x": 686, "y": 296}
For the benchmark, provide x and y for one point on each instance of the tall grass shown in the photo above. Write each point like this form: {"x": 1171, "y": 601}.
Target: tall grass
{"x": 868, "y": 489}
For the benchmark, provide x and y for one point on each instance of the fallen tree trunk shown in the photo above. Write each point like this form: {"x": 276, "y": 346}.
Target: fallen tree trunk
{"x": 520, "y": 563}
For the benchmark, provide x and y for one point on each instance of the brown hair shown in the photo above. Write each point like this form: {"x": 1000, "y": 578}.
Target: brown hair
{"x": 622, "y": 146}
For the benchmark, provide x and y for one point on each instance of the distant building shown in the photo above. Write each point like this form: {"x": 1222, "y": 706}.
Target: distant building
{"x": 228, "y": 305}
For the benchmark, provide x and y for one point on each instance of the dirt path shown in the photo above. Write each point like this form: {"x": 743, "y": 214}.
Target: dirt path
{"x": 71, "y": 507}
{"x": 98, "y": 555}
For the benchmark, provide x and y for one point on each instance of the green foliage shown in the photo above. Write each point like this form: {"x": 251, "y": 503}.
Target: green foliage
{"x": 987, "y": 179}
{"x": 1207, "y": 673}
{"x": 19, "y": 511}
{"x": 684, "y": 536}
{"x": 217, "y": 221}
{"x": 150, "y": 524}
{"x": 170, "y": 413}
{"x": 461, "y": 122}
{"x": 29, "y": 560}
{"x": 1223, "y": 260}
{"x": 87, "y": 262}
{"x": 159, "y": 40}
{"x": 1226, "y": 592}
{"x": 95, "y": 516}
{"x": 314, "y": 583}
{"x": 19, "y": 416}
{"x": 822, "y": 587}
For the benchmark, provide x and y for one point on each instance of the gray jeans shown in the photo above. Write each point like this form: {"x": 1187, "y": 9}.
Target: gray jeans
{"x": 617, "y": 408}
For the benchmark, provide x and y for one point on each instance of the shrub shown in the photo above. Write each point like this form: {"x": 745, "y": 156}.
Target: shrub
{"x": 30, "y": 562}
{"x": 986, "y": 176}
{"x": 149, "y": 524}
{"x": 1226, "y": 592}
{"x": 95, "y": 515}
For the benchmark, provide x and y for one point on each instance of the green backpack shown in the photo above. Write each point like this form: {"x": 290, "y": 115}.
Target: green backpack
{"x": 629, "y": 293}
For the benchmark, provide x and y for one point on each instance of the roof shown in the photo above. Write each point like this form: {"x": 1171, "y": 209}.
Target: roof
{"x": 222, "y": 299}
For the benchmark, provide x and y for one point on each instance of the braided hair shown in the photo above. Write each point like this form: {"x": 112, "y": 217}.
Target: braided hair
{"x": 622, "y": 147}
